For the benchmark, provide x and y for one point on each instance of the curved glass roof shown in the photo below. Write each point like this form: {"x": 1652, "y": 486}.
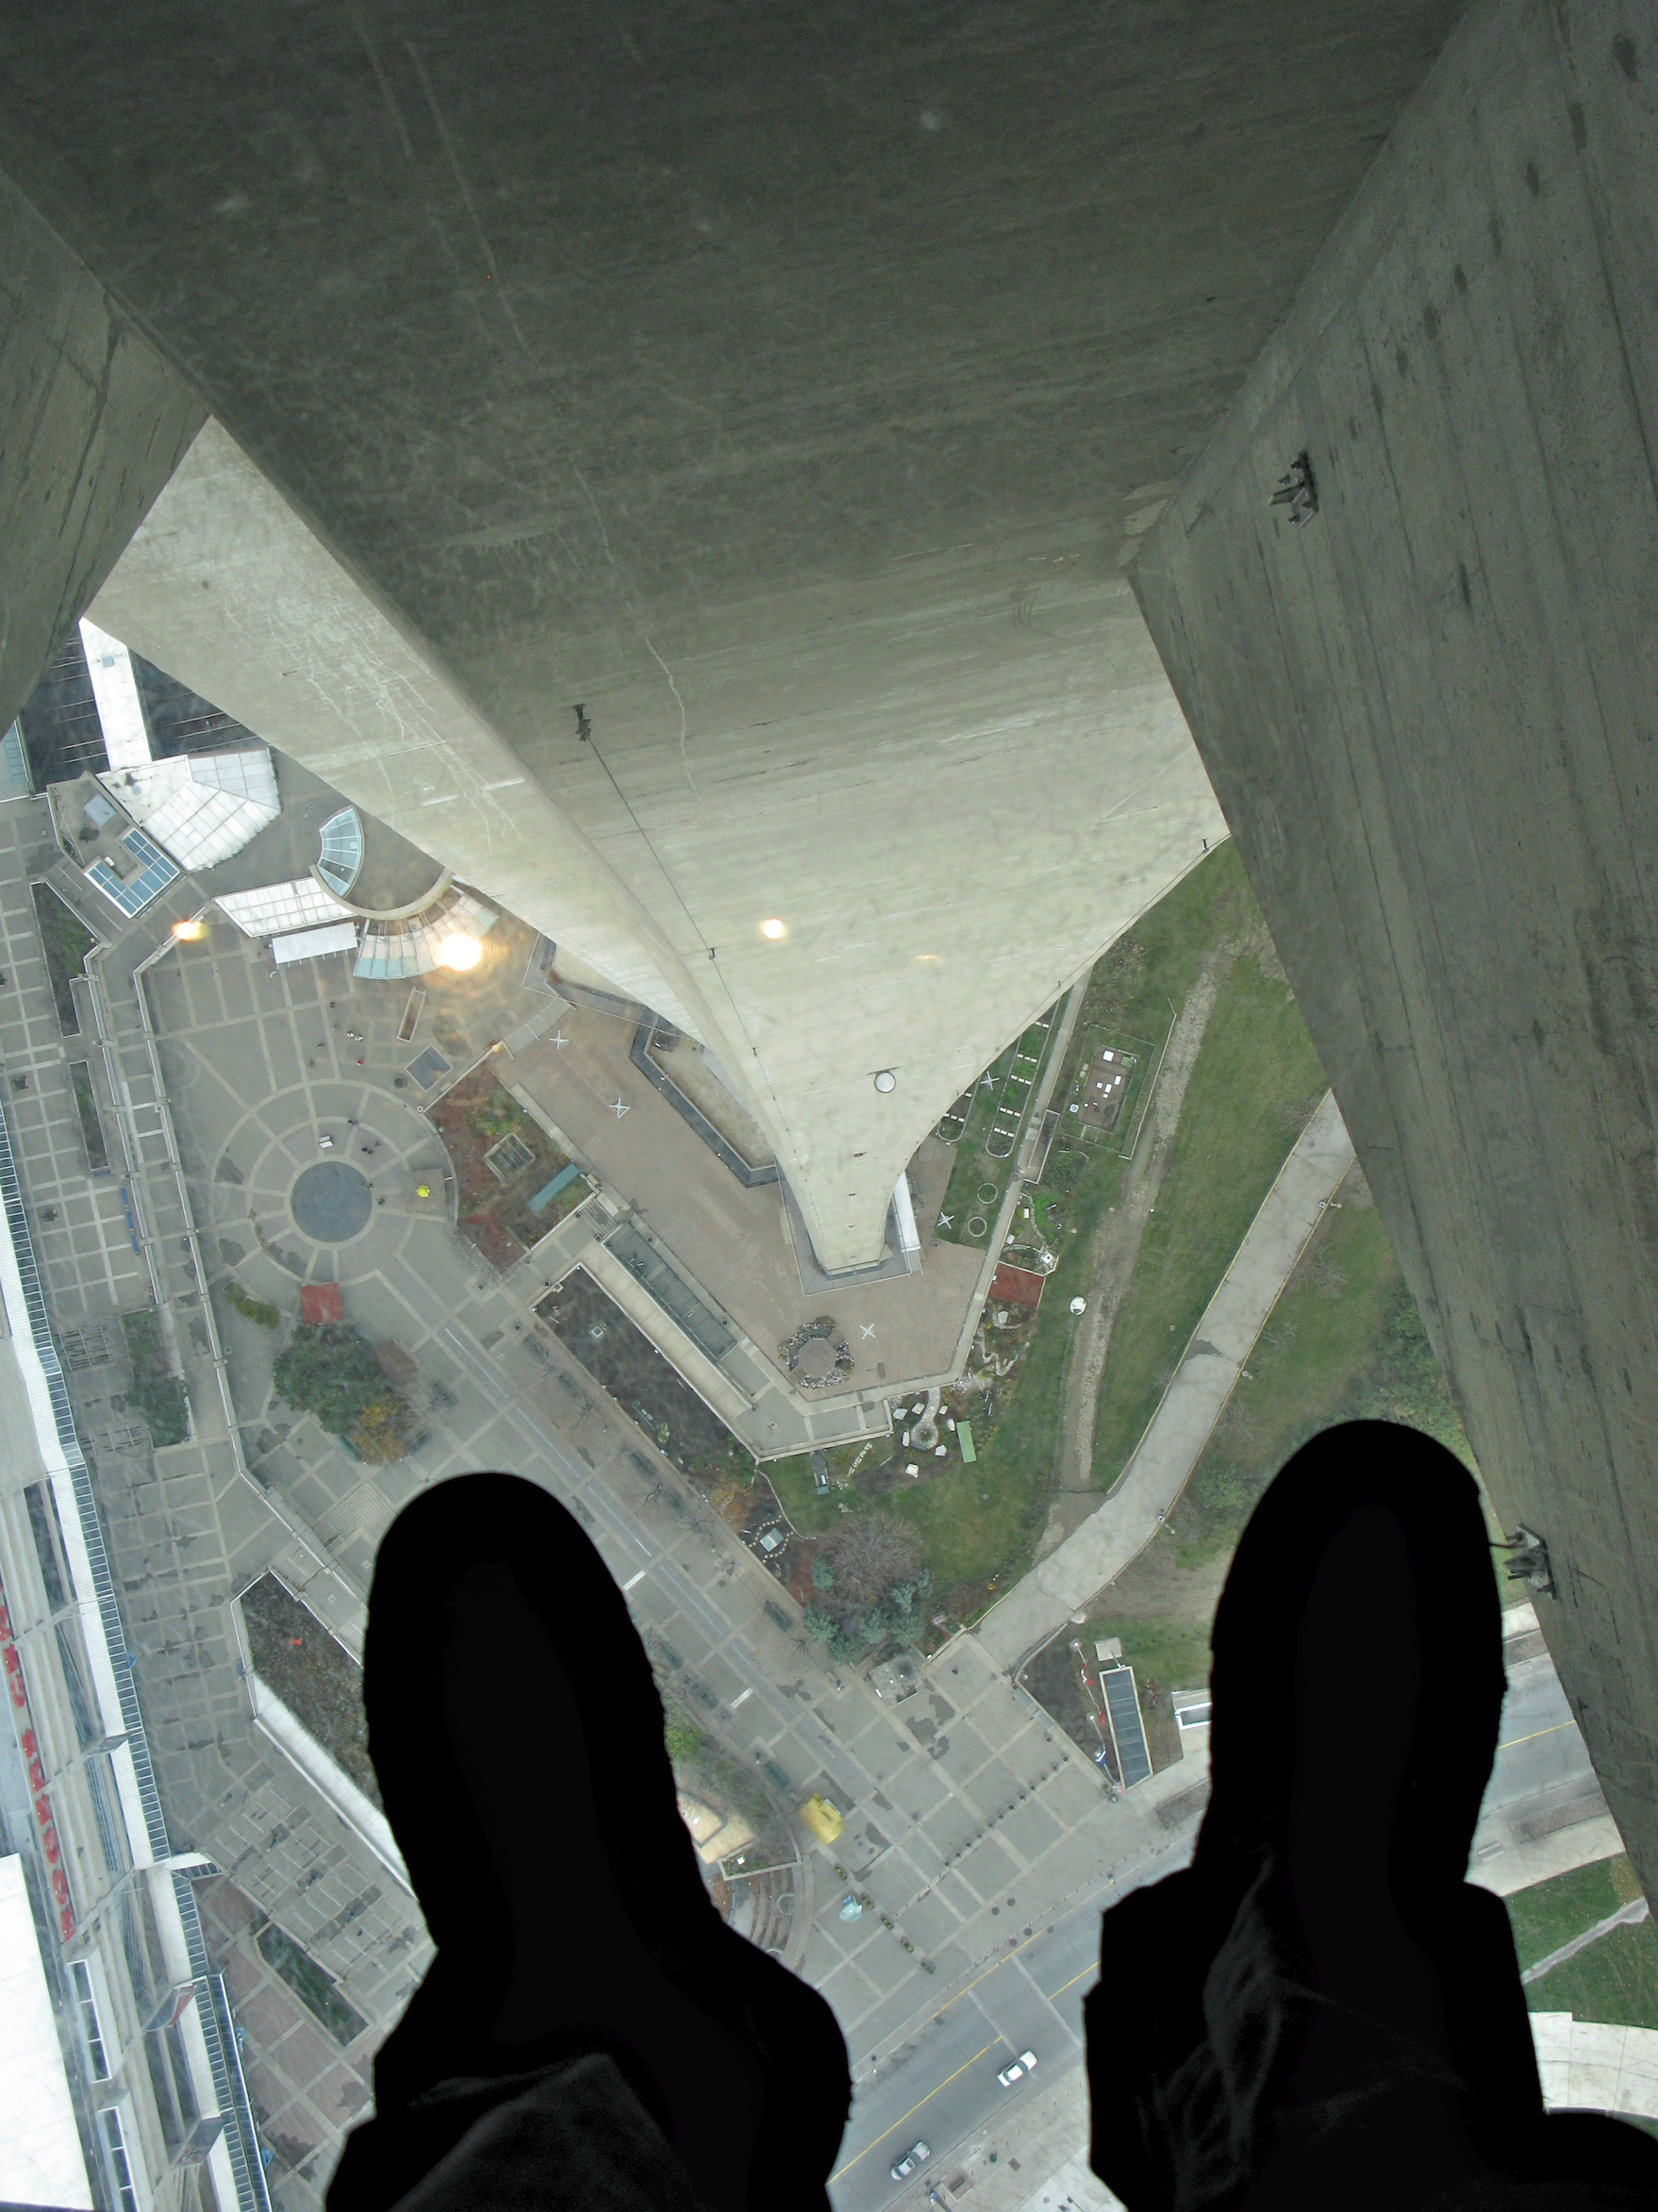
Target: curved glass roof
{"x": 343, "y": 851}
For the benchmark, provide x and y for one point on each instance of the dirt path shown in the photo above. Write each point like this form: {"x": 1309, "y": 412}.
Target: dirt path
{"x": 1112, "y": 1253}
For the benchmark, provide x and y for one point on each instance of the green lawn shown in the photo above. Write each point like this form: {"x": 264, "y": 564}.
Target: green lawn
{"x": 1343, "y": 1343}
{"x": 1551, "y": 1913}
{"x": 1616, "y": 1979}
{"x": 1256, "y": 1080}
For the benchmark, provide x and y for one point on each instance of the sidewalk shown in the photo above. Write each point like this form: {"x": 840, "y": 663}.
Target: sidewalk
{"x": 1119, "y": 1530}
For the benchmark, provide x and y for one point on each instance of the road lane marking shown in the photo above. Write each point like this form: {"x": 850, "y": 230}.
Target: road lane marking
{"x": 639, "y": 1577}
{"x": 1536, "y": 1733}
{"x": 1005, "y": 1959}
{"x": 1092, "y": 1968}
{"x": 743, "y": 1700}
{"x": 912, "y": 2110}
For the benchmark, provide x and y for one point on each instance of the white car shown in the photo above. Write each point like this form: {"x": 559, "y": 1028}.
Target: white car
{"x": 1023, "y": 2064}
{"x": 916, "y": 2156}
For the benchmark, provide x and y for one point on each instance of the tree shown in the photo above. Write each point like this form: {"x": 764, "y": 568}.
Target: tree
{"x": 384, "y": 1429}
{"x": 823, "y": 1573}
{"x": 867, "y": 1556}
{"x": 330, "y": 1372}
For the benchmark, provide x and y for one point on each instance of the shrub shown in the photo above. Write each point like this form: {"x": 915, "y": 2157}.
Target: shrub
{"x": 258, "y": 1310}
{"x": 683, "y": 1741}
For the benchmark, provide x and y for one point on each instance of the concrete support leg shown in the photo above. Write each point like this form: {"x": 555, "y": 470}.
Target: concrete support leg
{"x": 1423, "y": 683}
{"x": 93, "y": 422}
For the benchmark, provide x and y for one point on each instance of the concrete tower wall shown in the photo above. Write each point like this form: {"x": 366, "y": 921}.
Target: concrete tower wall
{"x": 1431, "y": 715}
{"x": 93, "y": 422}
{"x": 787, "y": 389}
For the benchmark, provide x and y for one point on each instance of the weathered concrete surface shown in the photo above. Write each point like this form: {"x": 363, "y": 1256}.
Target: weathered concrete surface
{"x": 1430, "y": 715}
{"x": 93, "y": 422}
{"x": 787, "y": 395}
{"x": 1118, "y": 1530}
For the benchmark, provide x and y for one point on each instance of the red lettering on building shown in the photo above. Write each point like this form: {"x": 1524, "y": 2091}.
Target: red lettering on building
{"x": 28, "y": 1743}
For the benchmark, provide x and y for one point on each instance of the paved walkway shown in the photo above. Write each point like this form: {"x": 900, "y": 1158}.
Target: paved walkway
{"x": 1587, "y": 2067}
{"x": 1105, "y": 1543}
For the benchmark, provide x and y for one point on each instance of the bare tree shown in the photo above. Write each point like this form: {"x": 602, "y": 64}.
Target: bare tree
{"x": 867, "y": 1556}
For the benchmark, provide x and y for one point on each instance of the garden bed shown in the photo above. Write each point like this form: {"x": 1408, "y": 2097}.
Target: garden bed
{"x": 156, "y": 1392}
{"x": 513, "y": 1184}
{"x": 313, "y": 1675}
{"x": 620, "y": 1357}
{"x": 85, "y": 1106}
{"x": 66, "y": 940}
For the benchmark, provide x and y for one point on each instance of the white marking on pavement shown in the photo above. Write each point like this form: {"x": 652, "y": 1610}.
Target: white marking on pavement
{"x": 743, "y": 1700}
{"x": 639, "y": 1577}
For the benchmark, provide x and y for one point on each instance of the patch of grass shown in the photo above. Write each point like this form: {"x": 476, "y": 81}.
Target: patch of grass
{"x": 1614, "y": 1981}
{"x": 258, "y": 1310}
{"x": 797, "y": 1495}
{"x": 66, "y": 940}
{"x": 1256, "y": 1080}
{"x": 1344, "y": 1343}
{"x": 156, "y": 1392}
{"x": 1551, "y": 1913}
{"x": 683, "y": 1741}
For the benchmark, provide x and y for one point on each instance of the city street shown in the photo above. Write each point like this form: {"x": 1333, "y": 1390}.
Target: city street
{"x": 941, "y": 2085}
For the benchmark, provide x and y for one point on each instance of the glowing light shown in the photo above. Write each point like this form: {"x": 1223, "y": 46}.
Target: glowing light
{"x": 187, "y": 932}
{"x": 423, "y": 1190}
{"x": 773, "y": 929}
{"x": 460, "y": 953}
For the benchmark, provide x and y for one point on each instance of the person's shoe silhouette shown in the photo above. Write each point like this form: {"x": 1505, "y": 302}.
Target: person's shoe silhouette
{"x": 590, "y": 2033}
{"x": 1321, "y": 2011}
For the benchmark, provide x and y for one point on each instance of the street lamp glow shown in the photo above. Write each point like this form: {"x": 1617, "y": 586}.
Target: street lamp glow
{"x": 187, "y": 932}
{"x": 460, "y": 953}
{"x": 772, "y": 929}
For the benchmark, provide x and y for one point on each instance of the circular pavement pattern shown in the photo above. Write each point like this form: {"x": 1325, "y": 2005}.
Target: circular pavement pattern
{"x": 331, "y": 1201}
{"x": 978, "y": 1225}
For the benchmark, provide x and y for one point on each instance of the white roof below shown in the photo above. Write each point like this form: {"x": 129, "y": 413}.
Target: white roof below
{"x": 311, "y": 944}
{"x": 201, "y": 806}
{"x": 121, "y": 713}
{"x": 280, "y": 907}
{"x": 40, "y": 2157}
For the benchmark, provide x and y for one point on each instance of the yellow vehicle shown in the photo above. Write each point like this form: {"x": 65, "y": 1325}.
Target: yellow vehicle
{"x": 824, "y": 1819}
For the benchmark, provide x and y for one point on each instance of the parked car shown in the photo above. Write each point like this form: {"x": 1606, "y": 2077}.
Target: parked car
{"x": 1023, "y": 2064}
{"x": 916, "y": 2156}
